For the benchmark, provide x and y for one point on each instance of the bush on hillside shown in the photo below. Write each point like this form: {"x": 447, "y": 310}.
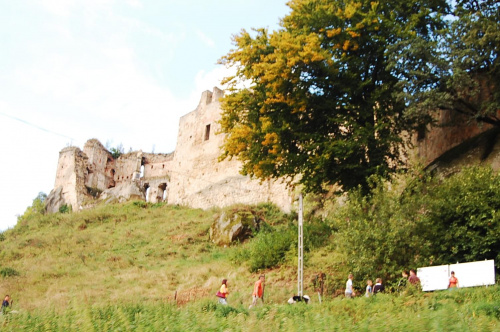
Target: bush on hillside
{"x": 464, "y": 211}
{"x": 36, "y": 209}
{"x": 378, "y": 234}
{"x": 431, "y": 222}
{"x": 8, "y": 272}
{"x": 65, "y": 208}
{"x": 273, "y": 247}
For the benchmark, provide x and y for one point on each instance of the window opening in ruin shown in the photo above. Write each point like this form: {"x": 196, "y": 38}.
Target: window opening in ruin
{"x": 421, "y": 133}
{"x": 163, "y": 166}
{"x": 142, "y": 171}
{"x": 207, "y": 132}
{"x": 151, "y": 166}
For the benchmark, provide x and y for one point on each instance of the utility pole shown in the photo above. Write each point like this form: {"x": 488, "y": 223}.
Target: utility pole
{"x": 300, "y": 281}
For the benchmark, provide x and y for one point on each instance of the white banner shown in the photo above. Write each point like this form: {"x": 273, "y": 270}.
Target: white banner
{"x": 470, "y": 274}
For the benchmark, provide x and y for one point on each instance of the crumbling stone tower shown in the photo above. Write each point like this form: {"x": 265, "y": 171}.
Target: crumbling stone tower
{"x": 189, "y": 176}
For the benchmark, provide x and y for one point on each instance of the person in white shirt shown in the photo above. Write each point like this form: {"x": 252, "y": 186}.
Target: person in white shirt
{"x": 349, "y": 292}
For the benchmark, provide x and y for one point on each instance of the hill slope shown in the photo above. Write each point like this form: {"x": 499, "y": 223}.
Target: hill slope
{"x": 139, "y": 266}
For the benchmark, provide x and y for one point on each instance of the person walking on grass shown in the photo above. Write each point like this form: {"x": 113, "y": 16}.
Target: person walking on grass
{"x": 413, "y": 279}
{"x": 6, "y": 303}
{"x": 378, "y": 286}
{"x": 453, "y": 281}
{"x": 349, "y": 292}
{"x": 258, "y": 290}
{"x": 369, "y": 289}
{"x": 223, "y": 292}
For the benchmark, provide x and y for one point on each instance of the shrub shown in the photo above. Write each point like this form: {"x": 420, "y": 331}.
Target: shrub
{"x": 378, "y": 234}
{"x": 226, "y": 310}
{"x": 8, "y": 272}
{"x": 269, "y": 249}
{"x": 490, "y": 309}
{"x": 65, "y": 208}
{"x": 140, "y": 204}
{"x": 272, "y": 247}
{"x": 463, "y": 210}
{"x": 429, "y": 222}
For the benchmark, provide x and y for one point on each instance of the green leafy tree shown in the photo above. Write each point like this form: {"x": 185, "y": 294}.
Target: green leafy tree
{"x": 463, "y": 210}
{"x": 321, "y": 98}
{"x": 458, "y": 70}
{"x": 36, "y": 208}
{"x": 382, "y": 233}
{"x": 430, "y": 222}
{"x": 117, "y": 152}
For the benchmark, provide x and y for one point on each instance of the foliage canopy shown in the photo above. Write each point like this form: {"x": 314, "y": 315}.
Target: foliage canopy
{"x": 321, "y": 101}
{"x": 458, "y": 70}
{"x": 432, "y": 222}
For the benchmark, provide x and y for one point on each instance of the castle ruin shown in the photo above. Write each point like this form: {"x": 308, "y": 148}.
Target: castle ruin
{"x": 191, "y": 175}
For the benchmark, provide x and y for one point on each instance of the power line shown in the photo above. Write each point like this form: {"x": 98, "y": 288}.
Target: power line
{"x": 36, "y": 126}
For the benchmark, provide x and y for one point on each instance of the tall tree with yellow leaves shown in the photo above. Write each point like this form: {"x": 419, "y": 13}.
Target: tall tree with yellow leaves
{"x": 320, "y": 106}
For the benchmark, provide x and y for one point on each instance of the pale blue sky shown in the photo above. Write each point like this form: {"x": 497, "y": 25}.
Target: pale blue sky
{"x": 119, "y": 71}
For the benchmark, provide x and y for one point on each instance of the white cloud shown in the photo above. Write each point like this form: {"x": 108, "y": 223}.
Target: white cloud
{"x": 205, "y": 39}
{"x": 65, "y": 8}
{"x": 58, "y": 7}
{"x": 135, "y": 3}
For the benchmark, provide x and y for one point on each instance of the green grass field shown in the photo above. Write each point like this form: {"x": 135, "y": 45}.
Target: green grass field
{"x": 143, "y": 267}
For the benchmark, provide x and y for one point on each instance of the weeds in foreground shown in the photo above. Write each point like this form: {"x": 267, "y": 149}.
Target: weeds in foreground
{"x": 462, "y": 310}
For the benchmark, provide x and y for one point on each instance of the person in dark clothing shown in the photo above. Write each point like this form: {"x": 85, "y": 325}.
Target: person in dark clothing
{"x": 7, "y": 302}
{"x": 378, "y": 286}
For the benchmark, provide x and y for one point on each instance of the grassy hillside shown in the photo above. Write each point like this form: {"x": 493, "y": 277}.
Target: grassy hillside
{"x": 138, "y": 266}
{"x": 125, "y": 253}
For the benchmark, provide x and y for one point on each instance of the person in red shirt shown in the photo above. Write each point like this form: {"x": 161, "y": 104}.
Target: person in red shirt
{"x": 222, "y": 293}
{"x": 258, "y": 290}
{"x": 413, "y": 279}
{"x": 453, "y": 281}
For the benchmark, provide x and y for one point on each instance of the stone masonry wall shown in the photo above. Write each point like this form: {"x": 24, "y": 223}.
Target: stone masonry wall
{"x": 192, "y": 175}
{"x": 100, "y": 166}
{"x": 199, "y": 180}
{"x": 70, "y": 179}
{"x": 155, "y": 176}
{"x": 128, "y": 167}
{"x": 452, "y": 130}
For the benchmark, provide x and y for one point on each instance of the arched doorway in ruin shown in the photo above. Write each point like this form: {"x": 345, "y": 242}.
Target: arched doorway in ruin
{"x": 146, "y": 191}
{"x": 161, "y": 194}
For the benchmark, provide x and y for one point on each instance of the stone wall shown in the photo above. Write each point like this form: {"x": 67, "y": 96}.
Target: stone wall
{"x": 69, "y": 186}
{"x": 199, "y": 180}
{"x": 451, "y": 130}
{"x": 101, "y": 167}
{"x": 128, "y": 167}
{"x": 155, "y": 176}
{"x": 193, "y": 176}
{"x": 190, "y": 176}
